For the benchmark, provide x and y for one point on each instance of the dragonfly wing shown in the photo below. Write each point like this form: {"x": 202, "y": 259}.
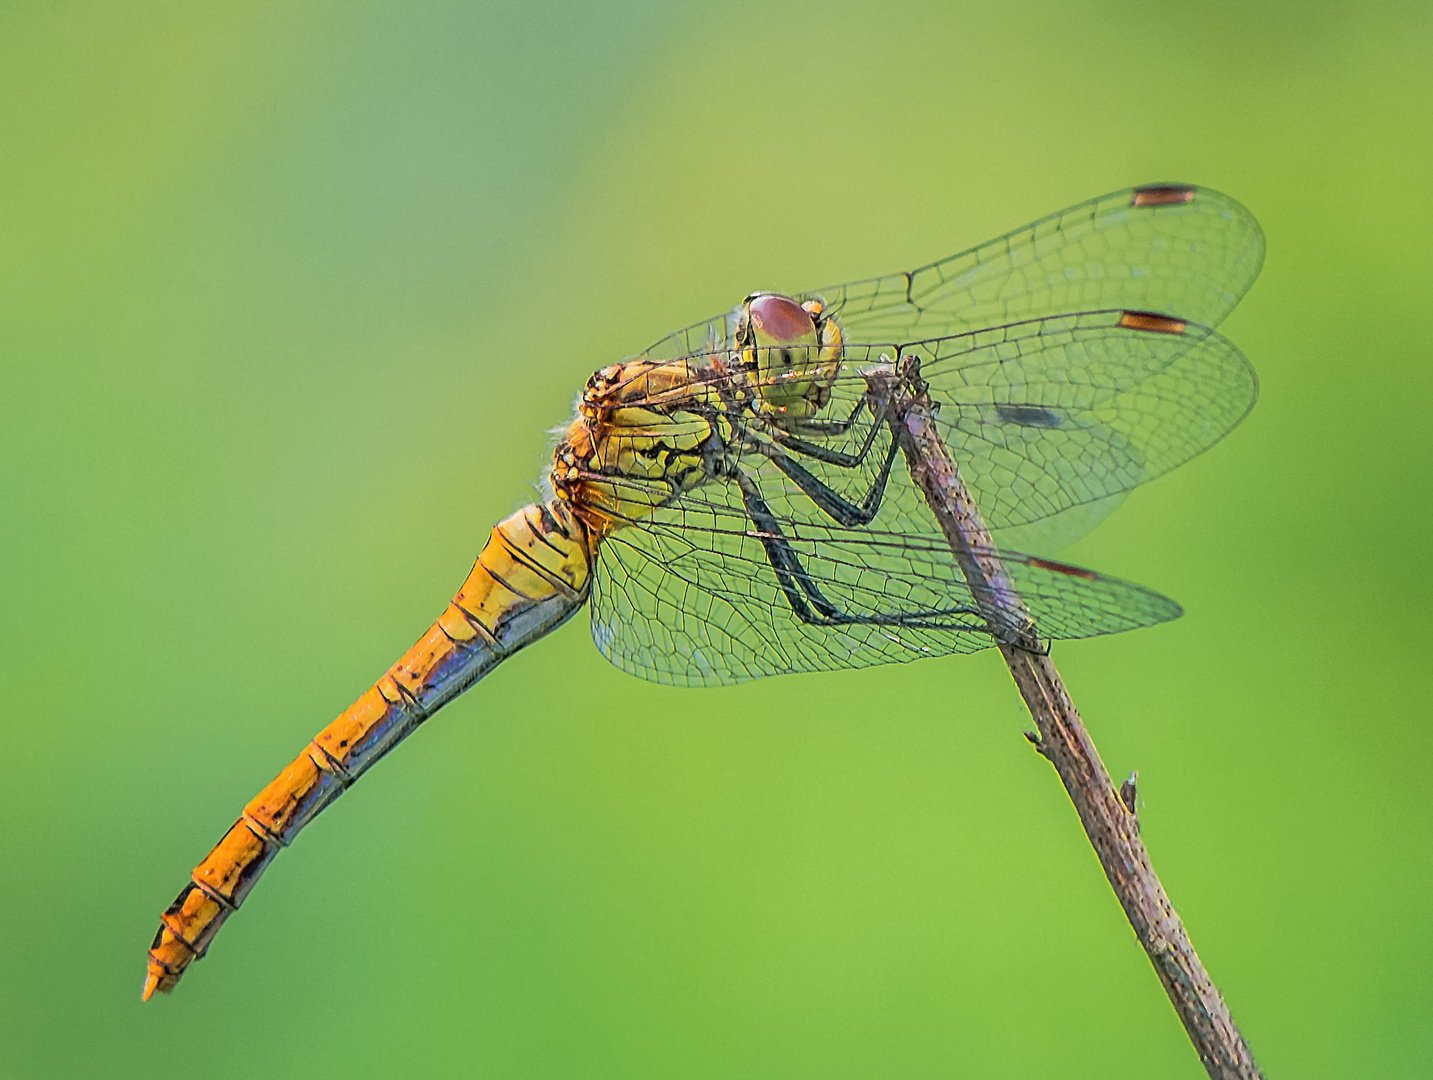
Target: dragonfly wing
{"x": 690, "y": 596}
{"x": 714, "y": 335}
{"x": 1177, "y": 249}
{"x": 1058, "y": 531}
{"x": 1062, "y": 415}
{"x": 1051, "y": 421}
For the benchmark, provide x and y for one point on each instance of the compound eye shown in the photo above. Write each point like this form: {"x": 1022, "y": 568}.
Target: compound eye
{"x": 780, "y": 319}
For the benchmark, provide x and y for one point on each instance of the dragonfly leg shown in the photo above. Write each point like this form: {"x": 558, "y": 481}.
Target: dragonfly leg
{"x": 828, "y": 429}
{"x": 810, "y": 604}
{"x": 835, "y": 506}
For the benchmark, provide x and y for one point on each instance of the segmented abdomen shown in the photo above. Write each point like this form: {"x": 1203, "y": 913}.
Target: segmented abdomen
{"x": 530, "y": 577}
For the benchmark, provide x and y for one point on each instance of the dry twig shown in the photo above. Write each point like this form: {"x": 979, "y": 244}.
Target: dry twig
{"x": 1107, "y": 814}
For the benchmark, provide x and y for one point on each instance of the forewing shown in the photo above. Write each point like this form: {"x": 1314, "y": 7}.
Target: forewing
{"x": 1186, "y": 251}
{"x": 1048, "y": 417}
{"x": 708, "y": 337}
{"x": 1176, "y": 249}
{"x": 1051, "y": 421}
{"x": 690, "y": 597}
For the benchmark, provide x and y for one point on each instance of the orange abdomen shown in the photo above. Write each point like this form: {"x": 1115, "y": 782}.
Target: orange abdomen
{"x": 529, "y": 579}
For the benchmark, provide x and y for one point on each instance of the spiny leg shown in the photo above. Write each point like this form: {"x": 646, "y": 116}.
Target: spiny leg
{"x": 808, "y": 603}
{"x": 828, "y": 429}
{"x": 791, "y": 434}
{"x": 834, "y": 505}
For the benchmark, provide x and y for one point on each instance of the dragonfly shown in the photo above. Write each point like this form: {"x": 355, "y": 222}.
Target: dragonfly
{"x": 730, "y": 502}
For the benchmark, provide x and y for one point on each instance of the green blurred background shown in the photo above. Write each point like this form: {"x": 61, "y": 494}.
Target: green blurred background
{"x": 290, "y": 294}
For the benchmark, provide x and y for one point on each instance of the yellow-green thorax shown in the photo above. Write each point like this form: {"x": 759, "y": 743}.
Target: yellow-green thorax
{"x": 644, "y": 433}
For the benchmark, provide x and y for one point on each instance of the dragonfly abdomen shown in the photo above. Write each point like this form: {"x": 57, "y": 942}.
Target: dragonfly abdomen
{"x": 531, "y": 577}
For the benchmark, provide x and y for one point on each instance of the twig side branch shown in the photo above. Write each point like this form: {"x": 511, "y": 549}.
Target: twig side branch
{"x": 1109, "y": 822}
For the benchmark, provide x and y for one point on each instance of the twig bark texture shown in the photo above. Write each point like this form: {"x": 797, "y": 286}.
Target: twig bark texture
{"x": 1107, "y": 814}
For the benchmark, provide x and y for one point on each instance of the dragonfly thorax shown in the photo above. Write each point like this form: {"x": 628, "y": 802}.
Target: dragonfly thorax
{"x": 643, "y": 434}
{"x": 793, "y": 349}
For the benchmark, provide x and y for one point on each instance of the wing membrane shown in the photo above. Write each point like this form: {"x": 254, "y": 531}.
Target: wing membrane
{"x": 1056, "y": 414}
{"x": 1180, "y": 250}
{"x": 689, "y": 597}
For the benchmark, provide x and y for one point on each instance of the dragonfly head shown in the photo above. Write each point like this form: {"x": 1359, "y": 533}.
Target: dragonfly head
{"x": 634, "y": 444}
{"x": 795, "y": 350}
